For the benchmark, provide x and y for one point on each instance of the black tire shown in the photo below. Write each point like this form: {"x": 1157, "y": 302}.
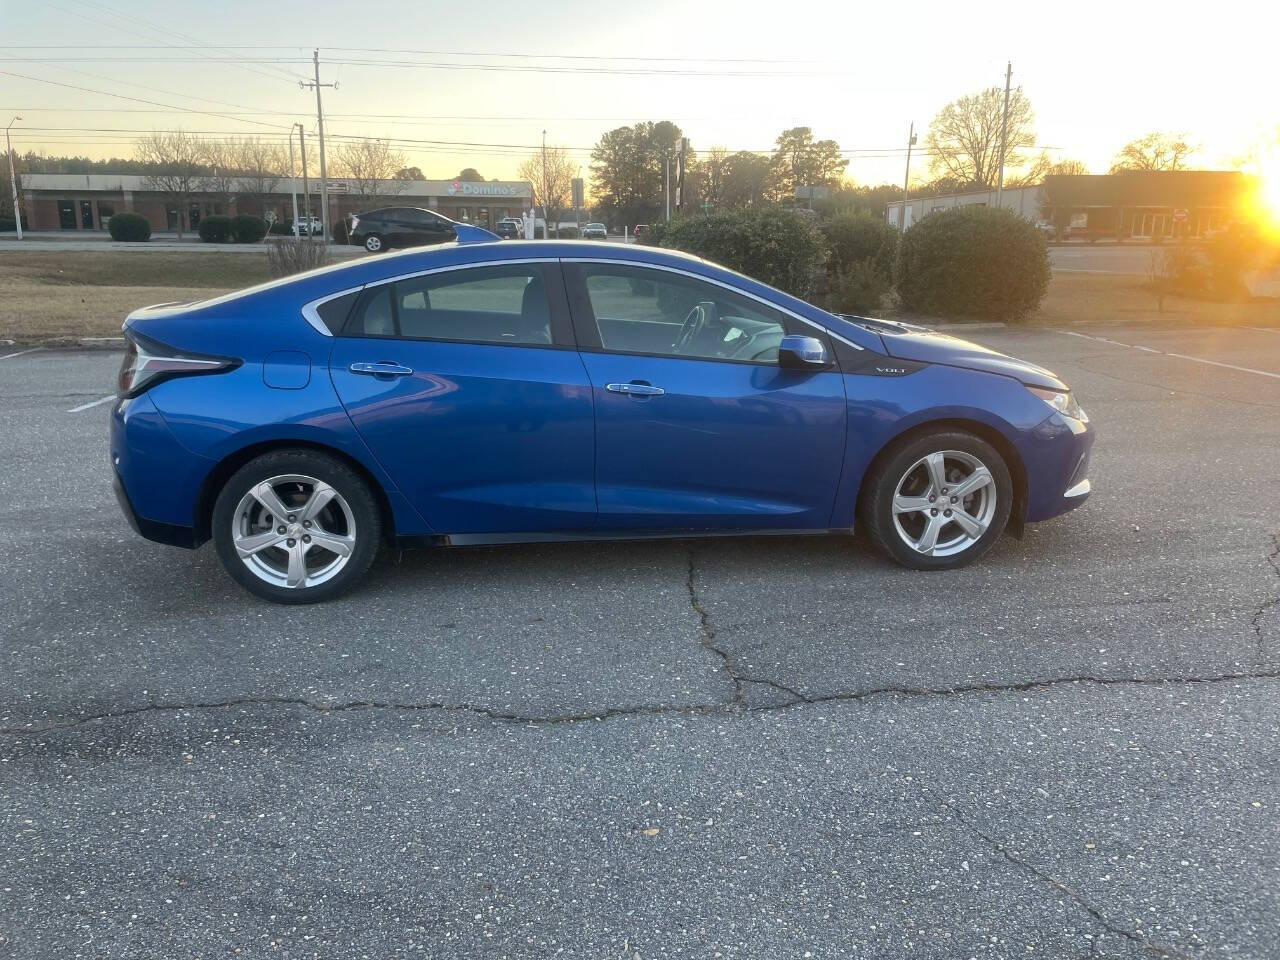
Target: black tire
{"x": 375, "y": 243}
{"x": 351, "y": 487}
{"x": 881, "y": 484}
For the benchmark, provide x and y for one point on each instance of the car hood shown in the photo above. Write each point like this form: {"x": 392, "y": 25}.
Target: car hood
{"x": 911, "y": 342}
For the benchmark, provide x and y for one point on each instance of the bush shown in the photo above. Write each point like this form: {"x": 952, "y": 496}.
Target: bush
{"x": 285, "y": 257}
{"x": 129, "y": 228}
{"x": 858, "y": 289}
{"x": 215, "y": 229}
{"x": 1231, "y": 254}
{"x": 861, "y": 249}
{"x": 973, "y": 263}
{"x": 774, "y": 246}
{"x": 281, "y": 228}
{"x": 341, "y": 230}
{"x": 246, "y": 228}
{"x": 8, "y": 224}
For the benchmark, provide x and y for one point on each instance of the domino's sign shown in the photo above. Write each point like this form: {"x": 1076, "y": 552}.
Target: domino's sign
{"x": 467, "y": 188}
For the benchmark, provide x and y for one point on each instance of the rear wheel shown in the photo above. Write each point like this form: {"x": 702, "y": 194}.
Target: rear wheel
{"x": 374, "y": 243}
{"x": 296, "y": 526}
{"x": 938, "y": 501}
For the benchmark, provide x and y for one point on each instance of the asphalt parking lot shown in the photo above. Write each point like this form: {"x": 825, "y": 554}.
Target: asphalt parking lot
{"x": 739, "y": 748}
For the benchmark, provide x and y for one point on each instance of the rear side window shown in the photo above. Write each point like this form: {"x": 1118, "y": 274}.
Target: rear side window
{"x": 501, "y": 304}
{"x": 334, "y": 313}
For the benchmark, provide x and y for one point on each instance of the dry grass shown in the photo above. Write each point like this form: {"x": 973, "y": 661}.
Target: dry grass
{"x": 1102, "y": 298}
{"x": 57, "y": 295}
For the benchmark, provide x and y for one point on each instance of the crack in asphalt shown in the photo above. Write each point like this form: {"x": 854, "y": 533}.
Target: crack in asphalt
{"x": 1134, "y": 936}
{"x": 693, "y": 710}
{"x": 1273, "y": 561}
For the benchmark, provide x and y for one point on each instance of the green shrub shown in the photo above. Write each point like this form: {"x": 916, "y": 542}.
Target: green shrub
{"x": 215, "y": 229}
{"x": 973, "y": 263}
{"x": 774, "y": 246}
{"x": 1231, "y": 254}
{"x": 246, "y": 228}
{"x": 858, "y": 289}
{"x": 281, "y": 228}
{"x": 129, "y": 228}
{"x": 8, "y": 224}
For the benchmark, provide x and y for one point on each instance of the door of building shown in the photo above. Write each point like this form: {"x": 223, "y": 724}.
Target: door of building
{"x": 86, "y": 214}
{"x": 66, "y": 215}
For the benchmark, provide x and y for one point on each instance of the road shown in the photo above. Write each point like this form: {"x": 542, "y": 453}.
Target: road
{"x": 1102, "y": 258}
{"x": 764, "y": 748}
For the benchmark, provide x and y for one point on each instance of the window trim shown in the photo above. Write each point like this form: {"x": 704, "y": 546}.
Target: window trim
{"x": 588, "y": 333}
{"x": 561, "y": 327}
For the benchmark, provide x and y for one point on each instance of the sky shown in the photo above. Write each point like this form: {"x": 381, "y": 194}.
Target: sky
{"x": 486, "y": 79}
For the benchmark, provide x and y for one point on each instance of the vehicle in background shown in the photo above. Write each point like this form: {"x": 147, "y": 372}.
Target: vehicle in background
{"x": 390, "y": 227}
{"x": 638, "y": 229}
{"x": 509, "y": 228}
{"x": 595, "y": 231}
{"x": 307, "y": 226}
{"x": 487, "y": 392}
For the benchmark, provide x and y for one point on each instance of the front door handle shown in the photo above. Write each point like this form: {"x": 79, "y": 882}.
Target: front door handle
{"x": 635, "y": 389}
{"x": 383, "y": 368}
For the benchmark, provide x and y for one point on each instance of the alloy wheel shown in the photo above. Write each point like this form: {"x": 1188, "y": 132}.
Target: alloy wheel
{"x": 293, "y": 531}
{"x": 944, "y": 503}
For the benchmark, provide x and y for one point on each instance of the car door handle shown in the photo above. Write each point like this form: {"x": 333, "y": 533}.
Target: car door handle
{"x": 383, "y": 368}
{"x": 635, "y": 389}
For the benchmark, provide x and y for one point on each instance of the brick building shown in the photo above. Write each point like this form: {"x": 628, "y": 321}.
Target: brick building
{"x": 67, "y": 201}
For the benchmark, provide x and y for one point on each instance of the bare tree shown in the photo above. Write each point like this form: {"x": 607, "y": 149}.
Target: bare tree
{"x": 222, "y": 159}
{"x": 261, "y": 164}
{"x": 1072, "y": 168}
{"x": 373, "y": 167}
{"x": 963, "y": 141}
{"x": 715, "y": 171}
{"x": 1155, "y": 151}
{"x": 175, "y": 162}
{"x": 550, "y": 171}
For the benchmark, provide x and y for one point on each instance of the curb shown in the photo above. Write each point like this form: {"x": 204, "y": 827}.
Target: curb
{"x": 70, "y": 343}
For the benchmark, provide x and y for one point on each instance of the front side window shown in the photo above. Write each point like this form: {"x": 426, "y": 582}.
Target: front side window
{"x": 639, "y": 310}
{"x": 501, "y": 304}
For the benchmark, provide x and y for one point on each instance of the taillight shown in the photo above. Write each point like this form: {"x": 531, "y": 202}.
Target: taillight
{"x": 147, "y": 362}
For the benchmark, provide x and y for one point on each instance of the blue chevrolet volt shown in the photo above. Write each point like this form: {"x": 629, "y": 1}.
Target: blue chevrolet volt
{"x": 482, "y": 392}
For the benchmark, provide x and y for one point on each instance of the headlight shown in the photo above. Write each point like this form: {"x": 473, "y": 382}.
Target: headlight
{"x": 1063, "y": 401}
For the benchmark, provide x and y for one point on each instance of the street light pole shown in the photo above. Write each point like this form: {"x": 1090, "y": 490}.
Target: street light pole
{"x": 13, "y": 177}
{"x": 1004, "y": 133}
{"x": 306, "y": 188}
{"x": 293, "y": 176}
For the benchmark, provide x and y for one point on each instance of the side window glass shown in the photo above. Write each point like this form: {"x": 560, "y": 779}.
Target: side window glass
{"x": 505, "y": 304}
{"x": 638, "y": 310}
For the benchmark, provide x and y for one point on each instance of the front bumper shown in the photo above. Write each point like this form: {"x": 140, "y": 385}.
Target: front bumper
{"x": 1056, "y": 458}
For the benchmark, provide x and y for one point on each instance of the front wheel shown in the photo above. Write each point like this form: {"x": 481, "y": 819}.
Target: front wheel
{"x": 296, "y": 526}
{"x": 938, "y": 501}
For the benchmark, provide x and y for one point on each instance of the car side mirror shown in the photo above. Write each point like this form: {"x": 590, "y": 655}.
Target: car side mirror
{"x": 797, "y": 352}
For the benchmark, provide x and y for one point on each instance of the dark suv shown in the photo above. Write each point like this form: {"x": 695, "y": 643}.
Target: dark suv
{"x": 378, "y": 230}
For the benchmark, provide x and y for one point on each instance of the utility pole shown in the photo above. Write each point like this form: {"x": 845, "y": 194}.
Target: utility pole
{"x": 546, "y": 212}
{"x": 324, "y": 174}
{"x": 1004, "y": 133}
{"x": 306, "y": 189}
{"x": 666, "y": 186}
{"x": 906, "y": 178}
{"x": 13, "y": 178}
{"x": 293, "y": 176}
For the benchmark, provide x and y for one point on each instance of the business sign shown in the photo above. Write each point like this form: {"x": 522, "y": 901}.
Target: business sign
{"x": 468, "y": 188}
{"x": 812, "y": 193}
{"x": 1180, "y": 215}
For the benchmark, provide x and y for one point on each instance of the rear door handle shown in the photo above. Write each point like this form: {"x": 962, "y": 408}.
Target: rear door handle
{"x": 635, "y": 389}
{"x": 383, "y": 368}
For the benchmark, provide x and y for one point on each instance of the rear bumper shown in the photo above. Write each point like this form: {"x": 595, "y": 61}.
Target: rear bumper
{"x": 167, "y": 533}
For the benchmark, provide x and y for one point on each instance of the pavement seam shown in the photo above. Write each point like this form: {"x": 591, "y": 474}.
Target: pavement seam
{"x": 693, "y": 710}
{"x": 1107, "y": 924}
{"x": 1273, "y": 561}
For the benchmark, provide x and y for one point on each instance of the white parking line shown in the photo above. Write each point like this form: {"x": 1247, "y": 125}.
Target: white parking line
{"x": 10, "y": 356}
{"x": 1180, "y": 356}
{"x": 93, "y": 403}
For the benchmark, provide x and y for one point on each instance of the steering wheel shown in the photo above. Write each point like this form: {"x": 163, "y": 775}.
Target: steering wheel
{"x": 697, "y": 320}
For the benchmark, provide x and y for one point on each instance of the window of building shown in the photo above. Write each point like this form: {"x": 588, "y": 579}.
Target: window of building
{"x": 105, "y": 212}
{"x": 639, "y": 310}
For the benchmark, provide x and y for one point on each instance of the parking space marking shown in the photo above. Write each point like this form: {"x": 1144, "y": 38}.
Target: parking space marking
{"x": 1180, "y": 356}
{"x": 92, "y": 403}
{"x": 10, "y": 356}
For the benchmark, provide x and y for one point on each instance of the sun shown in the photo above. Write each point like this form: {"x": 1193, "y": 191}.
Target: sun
{"x": 1269, "y": 188}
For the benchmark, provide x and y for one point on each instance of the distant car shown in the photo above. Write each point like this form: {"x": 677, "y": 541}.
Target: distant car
{"x": 1047, "y": 229}
{"x": 378, "y": 230}
{"x": 509, "y": 228}
{"x": 638, "y": 229}
{"x": 595, "y": 231}
{"x": 308, "y": 226}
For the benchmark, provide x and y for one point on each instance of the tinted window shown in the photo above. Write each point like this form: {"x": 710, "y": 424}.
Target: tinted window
{"x": 334, "y": 313}
{"x": 505, "y": 304}
{"x": 637, "y": 310}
